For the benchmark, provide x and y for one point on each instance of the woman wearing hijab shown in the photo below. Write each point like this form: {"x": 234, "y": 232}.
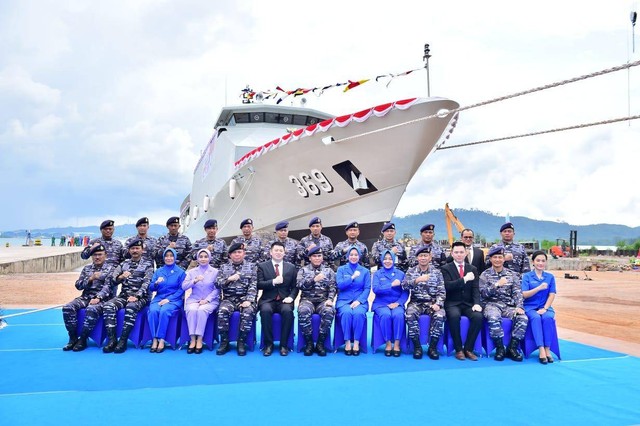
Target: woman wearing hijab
{"x": 203, "y": 300}
{"x": 389, "y": 302}
{"x": 167, "y": 283}
{"x": 354, "y": 285}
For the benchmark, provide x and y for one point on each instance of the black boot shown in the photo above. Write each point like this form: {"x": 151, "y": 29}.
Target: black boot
{"x": 224, "y": 344}
{"x": 242, "y": 349}
{"x": 81, "y": 344}
{"x": 432, "y": 352}
{"x": 417, "y": 348}
{"x": 122, "y": 343}
{"x": 499, "y": 356}
{"x": 513, "y": 352}
{"x": 320, "y": 349}
{"x": 73, "y": 338}
{"x": 308, "y": 345}
{"x": 112, "y": 341}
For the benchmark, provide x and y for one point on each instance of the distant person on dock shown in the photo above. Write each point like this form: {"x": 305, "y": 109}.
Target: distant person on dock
{"x": 149, "y": 243}
{"x": 63, "y": 240}
{"x": 113, "y": 246}
{"x": 427, "y": 234}
{"x": 95, "y": 283}
{"x": 315, "y": 239}
{"x": 539, "y": 291}
{"x": 53, "y": 241}
{"x": 175, "y": 240}
{"x": 389, "y": 242}
{"x": 340, "y": 251}
{"x": 252, "y": 243}
{"x": 515, "y": 255}
{"x": 216, "y": 247}
{"x": 290, "y": 245}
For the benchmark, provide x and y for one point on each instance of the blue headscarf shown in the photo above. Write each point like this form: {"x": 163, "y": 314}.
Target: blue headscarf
{"x": 393, "y": 257}
{"x": 175, "y": 257}
{"x": 353, "y": 265}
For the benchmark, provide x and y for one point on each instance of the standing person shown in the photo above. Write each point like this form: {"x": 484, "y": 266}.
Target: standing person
{"x": 388, "y": 242}
{"x": 134, "y": 275}
{"x": 252, "y": 243}
{"x": 317, "y": 284}
{"x": 277, "y": 280}
{"x": 237, "y": 279}
{"x": 290, "y": 245}
{"x": 515, "y": 255}
{"x": 463, "y": 298}
{"x": 167, "y": 284}
{"x": 175, "y": 240}
{"x": 354, "y": 285}
{"x": 148, "y": 242}
{"x": 315, "y": 239}
{"x": 215, "y": 246}
{"x": 203, "y": 300}
{"x": 389, "y": 302}
{"x": 95, "y": 283}
{"x": 475, "y": 256}
{"x": 427, "y": 297}
{"x": 340, "y": 251}
{"x": 539, "y": 291}
{"x": 438, "y": 257}
{"x": 53, "y": 241}
{"x": 501, "y": 297}
{"x": 112, "y": 246}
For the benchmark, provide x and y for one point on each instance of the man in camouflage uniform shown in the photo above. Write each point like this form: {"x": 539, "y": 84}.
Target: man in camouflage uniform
{"x": 317, "y": 283}
{"x": 428, "y": 293}
{"x": 95, "y": 283}
{"x": 315, "y": 238}
{"x": 339, "y": 252}
{"x": 135, "y": 275}
{"x": 238, "y": 282}
{"x": 388, "y": 242}
{"x": 216, "y": 246}
{"x": 501, "y": 297}
{"x": 149, "y": 243}
{"x": 253, "y": 247}
{"x": 179, "y": 242}
{"x": 112, "y": 246}
{"x": 438, "y": 257}
{"x": 515, "y": 255}
{"x": 290, "y": 245}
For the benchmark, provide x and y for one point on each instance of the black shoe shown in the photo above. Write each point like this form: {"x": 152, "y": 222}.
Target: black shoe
{"x": 308, "y": 345}
{"x": 160, "y": 350}
{"x": 284, "y": 351}
{"x": 224, "y": 344}
{"x": 348, "y": 352}
{"x": 395, "y": 353}
{"x": 241, "y": 347}
{"x": 432, "y": 351}
{"x": 268, "y": 350}
{"x": 153, "y": 350}
{"x": 417, "y": 348}
{"x": 543, "y": 360}
{"x": 356, "y": 352}
{"x": 499, "y": 356}
{"x": 198, "y": 351}
{"x": 387, "y": 352}
{"x": 121, "y": 346}
{"x": 513, "y": 352}
{"x": 191, "y": 350}
{"x": 550, "y": 360}
{"x": 110, "y": 346}
{"x": 73, "y": 339}
{"x": 320, "y": 349}
{"x": 80, "y": 345}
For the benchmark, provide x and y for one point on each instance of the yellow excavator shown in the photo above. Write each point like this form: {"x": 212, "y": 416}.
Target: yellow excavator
{"x": 449, "y": 218}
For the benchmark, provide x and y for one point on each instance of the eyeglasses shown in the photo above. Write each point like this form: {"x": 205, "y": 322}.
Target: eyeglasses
{"x": 468, "y": 237}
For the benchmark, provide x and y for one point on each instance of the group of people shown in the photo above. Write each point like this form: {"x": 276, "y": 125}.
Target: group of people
{"x": 331, "y": 281}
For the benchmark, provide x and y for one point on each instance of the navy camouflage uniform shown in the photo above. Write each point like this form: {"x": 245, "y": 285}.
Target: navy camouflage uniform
{"x": 325, "y": 244}
{"x": 245, "y": 289}
{"x": 290, "y": 251}
{"x": 501, "y": 302}
{"x": 520, "y": 262}
{"x": 148, "y": 248}
{"x": 219, "y": 254}
{"x": 438, "y": 256}
{"x": 113, "y": 248}
{"x": 252, "y": 247}
{"x": 183, "y": 249}
{"x": 339, "y": 252}
{"x": 313, "y": 296}
{"x": 423, "y": 295}
{"x": 383, "y": 245}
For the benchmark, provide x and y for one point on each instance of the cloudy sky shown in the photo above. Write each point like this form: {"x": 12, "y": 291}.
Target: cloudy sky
{"x": 107, "y": 104}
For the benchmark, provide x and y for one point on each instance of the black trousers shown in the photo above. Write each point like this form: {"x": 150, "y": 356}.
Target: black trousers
{"x": 475, "y": 325}
{"x": 267, "y": 309}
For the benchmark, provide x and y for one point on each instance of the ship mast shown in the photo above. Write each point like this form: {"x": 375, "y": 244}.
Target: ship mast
{"x": 425, "y": 58}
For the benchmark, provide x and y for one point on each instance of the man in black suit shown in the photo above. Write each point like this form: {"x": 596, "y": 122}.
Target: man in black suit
{"x": 475, "y": 256}
{"x": 463, "y": 298}
{"x": 277, "y": 280}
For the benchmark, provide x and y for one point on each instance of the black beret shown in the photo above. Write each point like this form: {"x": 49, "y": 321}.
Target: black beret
{"x": 142, "y": 221}
{"x": 236, "y": 246}
{"x": 388, "y": 225}
{"x": 135, "y": 242}
{"x": 351, "y": 225}
{"x": 314, "y": 220}
{"x": 246, "y": 222}
{"x": 314, "y": 250}
{"x": 172, "y": 220}
{"x": 96, "y": 249}
{"x": 496, "y": 250}
{"x": 507, "y": 225}
{"x": 106, "y": 223}
{"x": 282, "y": 225}
{"x": 429, "y": 227}
{"x": 211, "y": 223}
{"x": 423, "y": 249}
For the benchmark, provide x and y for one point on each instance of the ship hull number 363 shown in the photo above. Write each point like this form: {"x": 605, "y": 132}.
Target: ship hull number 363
{"x": 312, "y": 183}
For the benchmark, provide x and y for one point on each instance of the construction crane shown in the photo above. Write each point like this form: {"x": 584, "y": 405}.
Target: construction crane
{"x": 448, "y": 218}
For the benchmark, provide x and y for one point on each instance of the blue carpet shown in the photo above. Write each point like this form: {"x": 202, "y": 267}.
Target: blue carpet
{"x": 40, "y": 382}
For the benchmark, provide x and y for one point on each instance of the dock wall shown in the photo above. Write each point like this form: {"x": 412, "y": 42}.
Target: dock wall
{"x": 55, "y": 263}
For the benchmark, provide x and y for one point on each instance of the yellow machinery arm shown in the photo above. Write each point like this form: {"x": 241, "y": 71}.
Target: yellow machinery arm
{"x": 448, "y": 218}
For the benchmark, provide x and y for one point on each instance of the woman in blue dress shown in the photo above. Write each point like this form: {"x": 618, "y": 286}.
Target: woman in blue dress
{"x": 167, "y": 283}
{"x": 539, "y": 290}
{"x": 354, "y": 285}
{"x": 389, "y": 302}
